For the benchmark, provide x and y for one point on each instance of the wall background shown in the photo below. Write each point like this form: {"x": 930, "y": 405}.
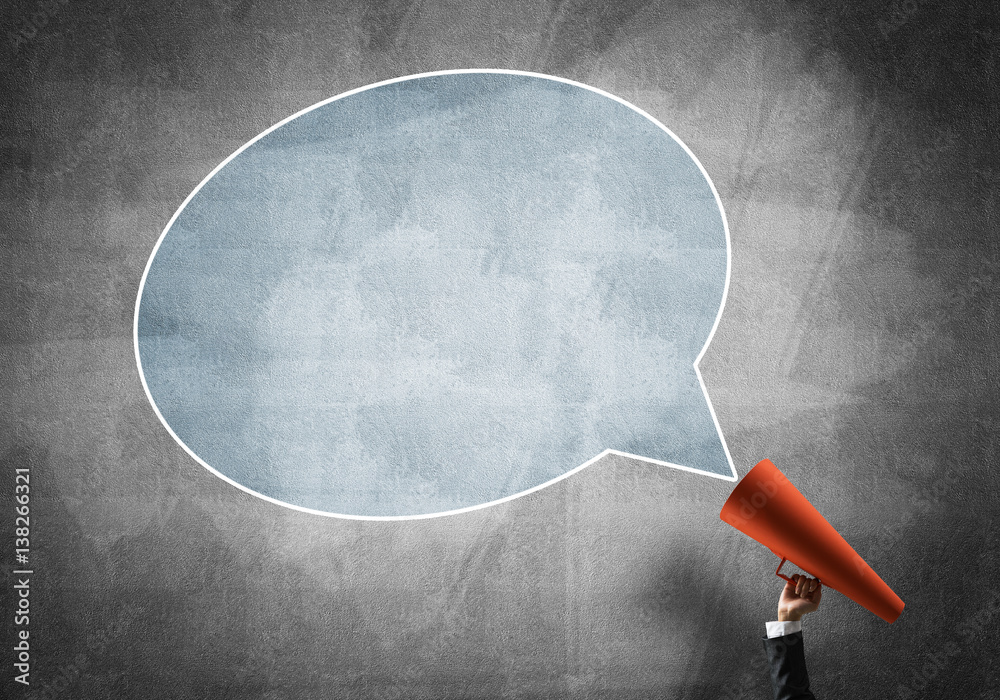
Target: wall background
{"x": 855, "y": 151}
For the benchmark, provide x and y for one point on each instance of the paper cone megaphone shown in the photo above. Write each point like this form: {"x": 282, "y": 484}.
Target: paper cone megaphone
{"x": 765, "y": 506}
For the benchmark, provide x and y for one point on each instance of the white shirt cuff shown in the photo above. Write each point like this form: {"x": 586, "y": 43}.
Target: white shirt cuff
{"x": 780, "y": 629}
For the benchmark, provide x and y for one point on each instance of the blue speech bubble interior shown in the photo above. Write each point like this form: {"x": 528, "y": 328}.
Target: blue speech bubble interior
{"x": 437, "y": 293}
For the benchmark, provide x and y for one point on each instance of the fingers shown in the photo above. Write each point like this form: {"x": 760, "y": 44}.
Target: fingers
{"x": 805, "y": 587}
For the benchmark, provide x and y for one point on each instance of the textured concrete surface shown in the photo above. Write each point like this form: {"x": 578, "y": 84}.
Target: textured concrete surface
{"x": 854, "y": 149}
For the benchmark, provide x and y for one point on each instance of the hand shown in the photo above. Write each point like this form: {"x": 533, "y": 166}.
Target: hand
{"x": 799, "y": 598}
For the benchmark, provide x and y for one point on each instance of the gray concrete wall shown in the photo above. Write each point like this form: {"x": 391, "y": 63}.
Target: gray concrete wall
{"x": 855, "y": 151}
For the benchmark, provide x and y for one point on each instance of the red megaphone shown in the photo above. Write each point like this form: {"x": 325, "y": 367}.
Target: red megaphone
{"x": 765, "y": 506}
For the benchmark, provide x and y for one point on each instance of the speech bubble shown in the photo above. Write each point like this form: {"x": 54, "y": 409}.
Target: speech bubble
{"x": 438, "y": 293}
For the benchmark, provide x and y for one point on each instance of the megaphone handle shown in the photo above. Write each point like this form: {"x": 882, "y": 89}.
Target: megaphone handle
{"x": 781, "y": 575}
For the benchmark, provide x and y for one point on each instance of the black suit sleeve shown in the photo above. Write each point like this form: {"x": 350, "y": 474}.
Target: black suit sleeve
{"x": 788, "y": 667}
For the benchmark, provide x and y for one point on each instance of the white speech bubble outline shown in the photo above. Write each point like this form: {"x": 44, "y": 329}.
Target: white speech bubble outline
{"x": 708, "y": 341}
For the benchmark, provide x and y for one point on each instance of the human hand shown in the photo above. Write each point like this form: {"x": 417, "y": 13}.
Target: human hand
{"x": 799, "y": 598}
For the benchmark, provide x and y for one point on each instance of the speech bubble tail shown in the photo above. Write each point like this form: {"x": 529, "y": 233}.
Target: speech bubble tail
{"x": 730, "y": 475}
{"x": 694, "y": 441}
